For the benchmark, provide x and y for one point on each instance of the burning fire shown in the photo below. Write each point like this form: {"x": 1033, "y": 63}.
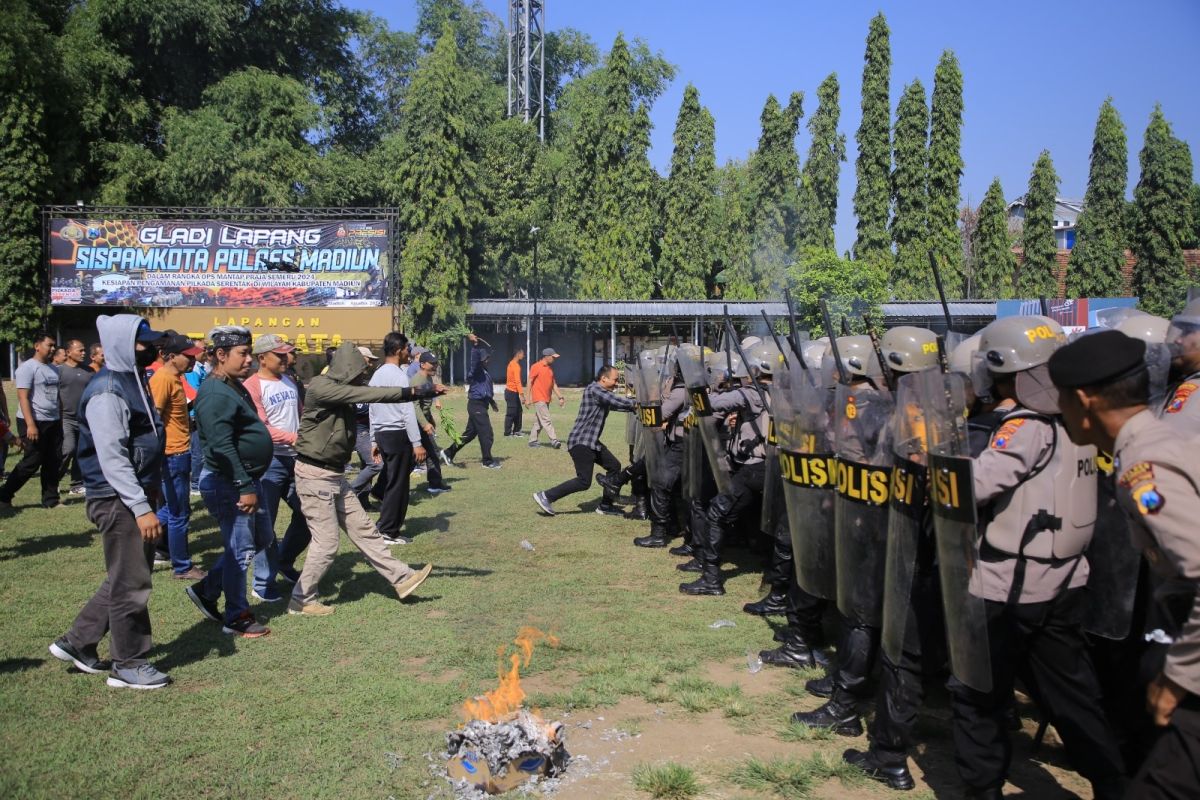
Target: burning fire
{"x": 506, "y": 699}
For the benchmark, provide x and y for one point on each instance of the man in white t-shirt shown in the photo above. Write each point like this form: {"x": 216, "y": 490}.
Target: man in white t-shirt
{"x": 39, "y": 424}
{"x": 277, "y": 400}
{"x": 397, "y": 435}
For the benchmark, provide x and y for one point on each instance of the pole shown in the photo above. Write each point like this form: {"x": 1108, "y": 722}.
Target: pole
{"x": 937, "y": 281}
{"x": 837, "y": 357}
{"x": 612, "y": 340}
{"x": 888, "y": 377}
{"x": 775, "y": 336}
{"x": 528, "y": 350}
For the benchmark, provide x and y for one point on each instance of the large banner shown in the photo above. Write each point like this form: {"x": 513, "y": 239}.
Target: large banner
{"x": 1073, "y": 315}
{"x": 120, "y": 262}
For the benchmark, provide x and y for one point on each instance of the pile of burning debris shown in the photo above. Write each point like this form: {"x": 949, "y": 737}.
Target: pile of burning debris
{"x": 503, "y": 745}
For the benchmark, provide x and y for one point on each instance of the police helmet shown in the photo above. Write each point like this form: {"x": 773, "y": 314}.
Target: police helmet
{"x": 909, "y": 349}
{"x": 1015, "y": 344}
{"x": 764, "y": 358}
{"x": 1147, "y": 327}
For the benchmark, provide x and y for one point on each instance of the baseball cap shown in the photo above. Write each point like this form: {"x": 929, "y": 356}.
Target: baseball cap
{"x": 271, "y": 343}
{"x": 366, "y": 353}
{"x": 146, "y": 334}
{"x": 429, "y": 358}
{"x": 177, "y": 343}
{"x": 549, "y": 351}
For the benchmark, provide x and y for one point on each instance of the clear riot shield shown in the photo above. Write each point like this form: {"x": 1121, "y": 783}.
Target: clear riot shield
{"x": 772, "y": 497}
{"x": 808, "y": 470}
{"x": 652, "y": 372}
{"x": 955, "y": 524}
{"x": 695, "y": 376}
{"x": 906, "y": 511}
{"x": 633, "y": 424}
{"x": 1114, "y": 563}
{"x": 860, "y": 509}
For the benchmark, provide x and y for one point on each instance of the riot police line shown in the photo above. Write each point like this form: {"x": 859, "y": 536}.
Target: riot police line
{"x": 921, "y": 497}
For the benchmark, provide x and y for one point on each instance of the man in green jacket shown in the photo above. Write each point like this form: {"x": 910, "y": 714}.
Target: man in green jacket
{"x": 324, "y": 445}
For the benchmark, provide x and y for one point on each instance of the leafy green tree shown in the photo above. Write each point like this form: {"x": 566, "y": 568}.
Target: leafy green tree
{"x": 508, "y": 174}
{"x": 872, "y": 193}
{"x": 945, "y": 169}
{"x": 826, "y": 152}
{"x": 851, "y": 288}
{"x": 221, "y": 154}
{"x": 435, "y": 184}
{"x": 25, "y": 172}
{"x": 1038, "y": 273}
{"x": 910, "y": 275}
{"x": 1163, "y": 219}
{"x": 730, "y": 273}
{"x": 689, "y": 203}
{"x": 1099, "y": 253}
{"x": 774, "y": 176}
{"x": 995, "y": 262}
{"x": 1193, "y": 240}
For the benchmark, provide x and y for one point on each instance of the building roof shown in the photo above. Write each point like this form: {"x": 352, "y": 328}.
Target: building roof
{"x": 621, "y": 309}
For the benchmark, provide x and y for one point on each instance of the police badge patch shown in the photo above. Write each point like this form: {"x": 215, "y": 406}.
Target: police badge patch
{"x": 1148, "y": 499}
{"x": 1003, "y": 436}
{"x": 1180, "y": 397}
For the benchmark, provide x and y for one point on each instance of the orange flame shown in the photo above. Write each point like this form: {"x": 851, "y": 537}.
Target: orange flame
{"x": 507, "y": 698}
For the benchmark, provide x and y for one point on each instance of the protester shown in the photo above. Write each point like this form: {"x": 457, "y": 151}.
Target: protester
{"x": 479, "y": 398}
{"x": 324, "y": 445}
{"x": 276, "y": 399}
{"x": 369, "y": 467}
{"x": 59, "y": 357}
{"x": 585, "y": 447}
{"x": 96, "y": 357}
{"x": 426, "y": 374}
{"x": 39, "y": 424}
{"x": 194, "y": 377}
{"x": 237, "y": 451}
{"x": 166, "y": 391}
{"x": 541, "y": 386}
{"x": 121, "y": 442}
{"x": 396, "y": 434}
{"x": 72, "y": 377}
{"x": 512, "y": 395}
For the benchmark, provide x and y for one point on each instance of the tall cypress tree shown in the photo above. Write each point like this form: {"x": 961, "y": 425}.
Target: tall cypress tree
{"x": 819, "y": 178}
{"x": 1162, "y": 218}
{"x": 689, "y": 211}
{"x": 1099, "y": 253}
{"x": 945, "y": 169}
{"x": 995, "y": 263}
{"x": 871, "y": 194}
{"x": 24, "y": 171}
{"x": 774, "y": 177}
{"x": 435, "y": 187}
{"x": 1038, "y": 274}
{"x": 910, "y": 278}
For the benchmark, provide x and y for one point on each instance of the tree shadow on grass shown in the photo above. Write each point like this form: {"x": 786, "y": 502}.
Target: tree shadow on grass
{"x": 11, "y": 665}
{"x": 195, "y": 644}
{"x": 438, "y": 523}
{"x": 46, "y": 544}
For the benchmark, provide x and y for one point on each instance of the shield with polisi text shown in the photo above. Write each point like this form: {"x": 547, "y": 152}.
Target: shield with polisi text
{"x": 695, "y": 377}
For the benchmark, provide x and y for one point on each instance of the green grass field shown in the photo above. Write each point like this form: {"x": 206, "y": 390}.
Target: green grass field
{"x": 349, "y": 706}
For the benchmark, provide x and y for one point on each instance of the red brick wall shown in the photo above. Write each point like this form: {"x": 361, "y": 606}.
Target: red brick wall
{"x": 1190, "y": 257}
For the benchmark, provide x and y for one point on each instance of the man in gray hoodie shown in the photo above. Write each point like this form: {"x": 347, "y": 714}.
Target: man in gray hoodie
{"x": 121, "y": 442}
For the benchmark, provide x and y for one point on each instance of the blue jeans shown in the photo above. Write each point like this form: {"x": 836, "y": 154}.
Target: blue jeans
{"x": 242, "y": 534}
{"x": 176, "y": 509}
{"x": 197, "y": 460}
{"x": 279, "y": 483}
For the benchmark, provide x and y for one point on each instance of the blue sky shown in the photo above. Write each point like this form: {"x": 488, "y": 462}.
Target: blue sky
{"x": 1034, "y": 73}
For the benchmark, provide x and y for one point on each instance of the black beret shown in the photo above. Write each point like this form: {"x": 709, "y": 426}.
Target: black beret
{"x": 1097, "y": 359}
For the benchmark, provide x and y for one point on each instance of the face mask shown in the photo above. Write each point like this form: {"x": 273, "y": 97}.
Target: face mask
{"x": 144, "y": 358}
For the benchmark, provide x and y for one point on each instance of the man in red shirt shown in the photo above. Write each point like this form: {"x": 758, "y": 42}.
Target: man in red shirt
{"x": 541, "y": 387}
{"x": 512, "y": 395}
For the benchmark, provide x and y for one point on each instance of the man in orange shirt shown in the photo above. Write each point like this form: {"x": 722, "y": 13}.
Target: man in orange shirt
{"x": 541, "y": 387}
{"x": 178, "y": 353}
{"x": 512, "y": 395}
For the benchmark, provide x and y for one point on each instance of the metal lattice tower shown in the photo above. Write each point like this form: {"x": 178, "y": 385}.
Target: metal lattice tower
{"x": 527, "y": 62}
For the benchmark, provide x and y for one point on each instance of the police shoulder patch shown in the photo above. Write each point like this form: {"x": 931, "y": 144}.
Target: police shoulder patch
{"x": 1149, "y": 500}
{"x": 1180, "y": 397}
{"x": 1140, "y": 473}
{"x": 1002, "y": 437}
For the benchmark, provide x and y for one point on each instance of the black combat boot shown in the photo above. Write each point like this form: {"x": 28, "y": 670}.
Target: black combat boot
{"x": 659, "y": 537}
{"x": 684, "y": 549}
{"x": 709, "y": 582}
{"x": 614, "y": 485}
{"x": 794, "y": 652}
{"x": 773, "y": 605}
{"x": 820, "y": 687}
{"x": 874, "y": 766}
{"x": 638, "y": 511}
{"x": 838, "y": 715}
{"x": 691, "y": 565}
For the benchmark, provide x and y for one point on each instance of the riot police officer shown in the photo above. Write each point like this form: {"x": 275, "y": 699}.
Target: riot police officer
{"x": 1181, "y": 410}
{"x": 1036, "y": 495}
{"x": 665, "y": 485}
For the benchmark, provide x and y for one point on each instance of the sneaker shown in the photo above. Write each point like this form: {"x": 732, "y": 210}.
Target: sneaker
{"x": 493, "y": 464}
{"x": 535, "y": 443}
{"x": 447, "y": 459}
{"x": 396, "y": 538}
{"x": 543, "y": 502}
{"x": 437, "y": 489}
{"x": 289, "y": 574}
{"x": 193, "y": 574}
{"x": 246, "y": 626}
{"x": 207, "y": 607}
{"x": 161, "y": 558}
{"x": 313, "y": 609}
{"x": 609, "y": 509}
{"x": 518, "y": 434}
{"x": 77, "y": 491}
{"x": 409, "y": 585}
{"x": 266, "y": 595}
{"x": 84, "y": 660}
{"x": 556, "y": 444}
{"x": 418, "y": 471}
{"x": 143, "y": 676}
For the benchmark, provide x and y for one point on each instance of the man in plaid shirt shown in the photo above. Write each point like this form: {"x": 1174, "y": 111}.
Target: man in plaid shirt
{"x": 584, "y": 443}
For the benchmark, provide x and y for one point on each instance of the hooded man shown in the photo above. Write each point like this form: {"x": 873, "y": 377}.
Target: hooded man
{"x": 328, "y": 429}
{"x": 121, "y": 441}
